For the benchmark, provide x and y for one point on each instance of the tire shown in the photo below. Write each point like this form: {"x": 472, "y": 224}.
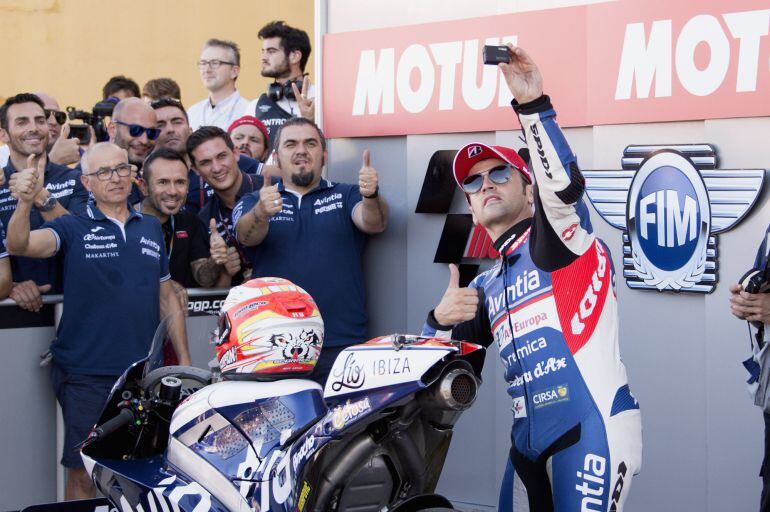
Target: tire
{"x": 192, "y": 379}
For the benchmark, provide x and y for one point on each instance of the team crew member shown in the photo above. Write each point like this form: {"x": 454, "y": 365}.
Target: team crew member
{"x": 115, "y": 272}
{"x": 23, "y": 127}
{"x": 174, "y": 132}
{"x": 550, "y": 305}
{"x": 250, "y": 137}
{"x": 213, "y": 157}
{"x": 219, "y": 67}
{"x": 6, "y": 281}
{"x": 313, "y": 232}
{"x": 285, "y": 52}
{"x": 164, "y": 184}
{"x": 755, "y": 307}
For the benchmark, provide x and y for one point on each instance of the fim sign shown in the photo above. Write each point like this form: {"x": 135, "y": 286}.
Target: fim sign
{"x": 670, "y": 202}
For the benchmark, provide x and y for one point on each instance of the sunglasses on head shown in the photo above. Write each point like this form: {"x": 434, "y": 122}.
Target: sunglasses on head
{"x": 59, "y": 116}
{"x": 136, "y": 130}
{"x": 498, "y": 175}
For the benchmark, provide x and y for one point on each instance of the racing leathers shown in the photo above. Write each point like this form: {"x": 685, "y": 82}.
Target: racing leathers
{"x": 549, "y": 304}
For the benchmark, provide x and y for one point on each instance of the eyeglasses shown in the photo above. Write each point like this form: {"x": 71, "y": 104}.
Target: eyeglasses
{"x": 498, "y": 175}
{"x": 213, "y": 63}
{"x": 105, "y": 173}
{"x": 136, "y": 130}
{"x": 58, "y": 115}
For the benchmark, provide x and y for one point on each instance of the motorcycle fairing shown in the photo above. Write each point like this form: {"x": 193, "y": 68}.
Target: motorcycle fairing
{"x": 147, "y": 487}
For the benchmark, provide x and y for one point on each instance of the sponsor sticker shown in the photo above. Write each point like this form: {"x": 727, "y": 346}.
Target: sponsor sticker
{"x": 550, "y": 396}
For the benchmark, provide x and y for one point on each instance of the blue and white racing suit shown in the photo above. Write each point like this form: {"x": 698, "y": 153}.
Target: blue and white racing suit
{"x": 549, "y": 304}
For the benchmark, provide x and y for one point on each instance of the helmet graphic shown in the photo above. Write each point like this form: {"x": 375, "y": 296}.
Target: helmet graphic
{"x": 268, "y": 328}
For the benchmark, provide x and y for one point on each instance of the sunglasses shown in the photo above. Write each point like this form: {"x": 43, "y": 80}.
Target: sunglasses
{"x": 498, "y": 175}
{"x": 136, "y": 130}
{"x": 59, "y": 116}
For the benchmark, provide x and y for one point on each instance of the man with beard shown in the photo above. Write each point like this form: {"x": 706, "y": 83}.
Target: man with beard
{"x": 174, "y": 132}
{"x": 285, "y": 52}
{"x": 23, "y": 127}
{"x": 250, "y": 137}
{"x": 116, "y": 272}
{"x": 213, "y": 158}
{"x": 219, "y": 66}
{"x": 313, "y": 232}
{"x": 164, "y": 184}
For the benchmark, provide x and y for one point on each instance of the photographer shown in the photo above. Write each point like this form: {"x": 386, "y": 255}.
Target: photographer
{"x": 755, "y": 308}
{"x": 285, "y": 52}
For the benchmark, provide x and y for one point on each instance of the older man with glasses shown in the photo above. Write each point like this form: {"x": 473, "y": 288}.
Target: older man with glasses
{"x": 219, "y": 66}
{"x": 116, "y": 289}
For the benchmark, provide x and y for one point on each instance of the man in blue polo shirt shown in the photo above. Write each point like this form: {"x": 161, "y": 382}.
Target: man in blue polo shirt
{"x": 23, "y": 126}
{"x": 313, "y": 232}
{"x": 213, "y": 157}
{"x": 116, "y": 287}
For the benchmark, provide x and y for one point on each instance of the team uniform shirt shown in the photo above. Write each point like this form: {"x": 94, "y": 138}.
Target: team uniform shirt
{"x": 199, "y": 191}
{"x": 112, "y": 276}
{"x": 214, "y": 209}
{"x": 222, "y": 114}
{"x": 313, "y": 242}
{"x": 549, "y": 304}
{"x": 186, "y": 240}
{"x": 274, "y": 113}
{"x": 64, "y": 184}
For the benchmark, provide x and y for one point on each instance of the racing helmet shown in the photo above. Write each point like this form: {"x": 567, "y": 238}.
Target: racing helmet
{"x": 269, "y": 328}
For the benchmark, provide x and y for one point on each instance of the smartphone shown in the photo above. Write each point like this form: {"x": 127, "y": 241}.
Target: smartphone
{"x": 81, "y": 133}
{"x": 494, "y": 55}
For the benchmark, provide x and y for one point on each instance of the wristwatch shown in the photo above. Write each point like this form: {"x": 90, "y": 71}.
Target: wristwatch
{"x": 47, "y": 205}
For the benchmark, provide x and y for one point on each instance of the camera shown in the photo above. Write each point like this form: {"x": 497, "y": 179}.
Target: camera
{"x": 755, "y": 281}
{"x": 95, "y": 118}
{"x": 494, "y": 55}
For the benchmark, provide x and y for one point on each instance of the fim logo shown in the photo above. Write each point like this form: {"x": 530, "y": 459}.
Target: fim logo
{"x": 670, "y": 202}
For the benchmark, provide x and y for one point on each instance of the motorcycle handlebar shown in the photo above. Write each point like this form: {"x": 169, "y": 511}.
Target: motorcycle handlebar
{"x": 125, "y": 417}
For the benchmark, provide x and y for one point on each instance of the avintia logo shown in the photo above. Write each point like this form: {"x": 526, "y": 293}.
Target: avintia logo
{"x": 670, "y": 202}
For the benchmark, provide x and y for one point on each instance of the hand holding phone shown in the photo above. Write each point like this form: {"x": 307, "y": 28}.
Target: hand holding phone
{"x": 494, "y": 55}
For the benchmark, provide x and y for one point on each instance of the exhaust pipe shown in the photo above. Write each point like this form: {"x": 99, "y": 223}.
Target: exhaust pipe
{"x": 456, "y": 390}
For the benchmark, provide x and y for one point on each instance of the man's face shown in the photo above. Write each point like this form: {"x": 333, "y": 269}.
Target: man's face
{"x": 274, "y": 61}
{"x": 27, "y": 132}
{"x": 167, "y": 186}
{"x": 174, "y": 129}
{"x": 499, "y": 204}
{"x": 138, "y": 147}
{"x": 301, "y": 155}
{"x": 215, "y": 79}
{"x": 216, "y": 164}
{"x": 116, "y": 189}
{"x": 250, "y": 141}
{"x": 54, "y": 128}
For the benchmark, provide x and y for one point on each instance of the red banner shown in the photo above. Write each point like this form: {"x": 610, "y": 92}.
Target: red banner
{"x": 627, "y": 61}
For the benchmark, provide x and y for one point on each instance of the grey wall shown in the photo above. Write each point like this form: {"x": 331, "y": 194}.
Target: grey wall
{"x": 702, "y": 436}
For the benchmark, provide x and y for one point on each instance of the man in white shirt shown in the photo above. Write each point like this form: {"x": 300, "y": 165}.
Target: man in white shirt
{"x": 285, "y": 52}
{"x": 219, "y": 66}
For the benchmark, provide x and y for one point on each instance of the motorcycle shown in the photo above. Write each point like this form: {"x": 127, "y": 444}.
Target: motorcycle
{"x": 175, "y": 438}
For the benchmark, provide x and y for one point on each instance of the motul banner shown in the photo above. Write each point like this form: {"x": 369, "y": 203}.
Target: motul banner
{"x": 626, "y": 61}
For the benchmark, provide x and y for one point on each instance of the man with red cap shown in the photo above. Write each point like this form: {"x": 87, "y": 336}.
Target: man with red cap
{"x": 549, "y": 305}
{"x": 250, "y": 137}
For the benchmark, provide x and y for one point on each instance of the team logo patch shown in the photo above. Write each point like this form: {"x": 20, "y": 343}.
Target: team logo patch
{"x": 473, "y": 151}
{"x": 671, "y": 202}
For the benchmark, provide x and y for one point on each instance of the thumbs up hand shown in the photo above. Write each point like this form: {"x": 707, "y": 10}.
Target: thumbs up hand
{"x": 217, "y": 245}
{"x": 367, "y": 177}
{"x": 458, "y": 304}
{"x": 27, "y": 183}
